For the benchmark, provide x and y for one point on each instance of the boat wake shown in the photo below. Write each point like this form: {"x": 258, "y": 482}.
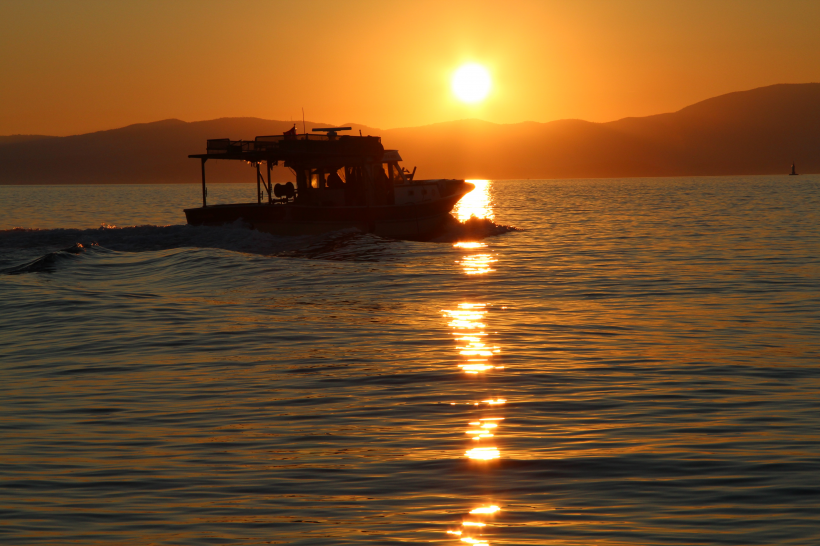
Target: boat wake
{"x": 33, "y": 250}
{"x": 47, "y": 263}
{"x": 472, "y": 229}
{"x": 236, "y": 237}
{"x": 343, "y": 245}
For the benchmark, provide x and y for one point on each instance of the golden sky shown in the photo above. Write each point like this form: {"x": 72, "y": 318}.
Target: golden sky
{"x": 72, "y": 67}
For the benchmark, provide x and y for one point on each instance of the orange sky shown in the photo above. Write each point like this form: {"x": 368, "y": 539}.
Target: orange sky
{"x": 72, "y": 67}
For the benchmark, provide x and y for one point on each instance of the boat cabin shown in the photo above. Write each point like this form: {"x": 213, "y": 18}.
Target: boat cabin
{"x": 331, "y": 170}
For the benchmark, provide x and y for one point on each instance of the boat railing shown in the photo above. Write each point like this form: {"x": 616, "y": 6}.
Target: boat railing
{"x": 260, "y": 143}
{"x": 278, "y": 138}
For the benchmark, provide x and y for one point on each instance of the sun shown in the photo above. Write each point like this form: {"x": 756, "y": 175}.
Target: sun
{"x": 471, "y": 83}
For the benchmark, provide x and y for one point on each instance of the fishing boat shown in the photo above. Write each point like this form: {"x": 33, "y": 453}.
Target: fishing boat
{"x": 793, "y": 173}
{"x": 341, "y": 181}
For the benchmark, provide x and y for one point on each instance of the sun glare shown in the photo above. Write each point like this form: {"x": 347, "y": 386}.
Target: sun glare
{"x": 471, "y": 83}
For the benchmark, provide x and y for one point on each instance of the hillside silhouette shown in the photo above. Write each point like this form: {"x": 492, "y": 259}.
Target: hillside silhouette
{"x": 749, "y": 132}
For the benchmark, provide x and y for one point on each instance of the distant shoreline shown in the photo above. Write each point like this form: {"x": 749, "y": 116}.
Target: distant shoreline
{"x": 747, "y": 133}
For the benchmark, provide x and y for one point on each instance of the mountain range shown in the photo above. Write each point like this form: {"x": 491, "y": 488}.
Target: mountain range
{"x": 760, "y": 131}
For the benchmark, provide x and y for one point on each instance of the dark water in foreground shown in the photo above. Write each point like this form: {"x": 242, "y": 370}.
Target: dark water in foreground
{"x": 645, "y": 355}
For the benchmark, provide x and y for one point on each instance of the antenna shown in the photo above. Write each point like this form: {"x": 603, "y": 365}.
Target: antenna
{"x": 303, "y": 122}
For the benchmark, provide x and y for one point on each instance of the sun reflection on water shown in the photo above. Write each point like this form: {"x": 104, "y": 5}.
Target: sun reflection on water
{"x": 473, "y": 526}
{"x": 483, "y": 453}
{"x": 485, "y": 510}
{"x": 469, "y": 245}
{"x": 467, "y": 324}
{"x": 478, "y": 264}
{"x": 478, "y": 356}
{"x": 477, "y": 203}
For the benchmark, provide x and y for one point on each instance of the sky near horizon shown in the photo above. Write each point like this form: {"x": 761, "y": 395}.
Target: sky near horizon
{"x": 82, "y": 66}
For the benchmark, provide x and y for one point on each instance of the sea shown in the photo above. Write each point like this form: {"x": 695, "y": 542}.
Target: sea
{"x": 611, "y": 362}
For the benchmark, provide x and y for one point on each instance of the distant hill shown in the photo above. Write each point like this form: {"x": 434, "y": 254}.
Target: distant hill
{"x": 11, "y": 139}
{"x": 144, "y": 153}
{"x": 749, "y": 132}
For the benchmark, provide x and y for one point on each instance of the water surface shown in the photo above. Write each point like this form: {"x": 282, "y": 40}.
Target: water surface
{"x": 638, "y": 365}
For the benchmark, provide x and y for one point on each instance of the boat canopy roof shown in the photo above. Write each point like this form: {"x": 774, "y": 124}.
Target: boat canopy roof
{"x": 308, "y": 150}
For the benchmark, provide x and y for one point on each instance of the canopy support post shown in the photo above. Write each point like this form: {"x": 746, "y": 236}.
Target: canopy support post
{"x": 258, "y": 186}
{"x": 270, "y": 198}
{"x": 204, "y": 189}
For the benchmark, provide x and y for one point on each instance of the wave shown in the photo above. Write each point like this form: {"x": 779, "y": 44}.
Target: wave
{"x": 236, "y": 237}
{"x": 47, "y": 263}
{"x": 472, "y": 229}
{"x": 348, "y": 245}
{"x": 343, "y": 245}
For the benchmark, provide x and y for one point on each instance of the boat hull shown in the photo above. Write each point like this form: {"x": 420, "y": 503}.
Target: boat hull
{"x": 418, "y": 221}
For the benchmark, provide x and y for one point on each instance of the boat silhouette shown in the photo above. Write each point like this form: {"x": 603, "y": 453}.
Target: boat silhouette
{"x": 341, "y": 182}
{"x": 793, "y": 173}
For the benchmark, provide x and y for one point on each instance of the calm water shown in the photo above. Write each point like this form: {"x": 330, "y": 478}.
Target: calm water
{"x": 639, "y": 365}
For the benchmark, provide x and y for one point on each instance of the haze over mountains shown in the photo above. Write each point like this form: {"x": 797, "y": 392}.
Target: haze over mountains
{"x": 749, "y": 132}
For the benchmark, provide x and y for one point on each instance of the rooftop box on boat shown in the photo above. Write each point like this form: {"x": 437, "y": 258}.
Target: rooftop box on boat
{"x": 340, "y": 182}
{"x": 218, "y": 145}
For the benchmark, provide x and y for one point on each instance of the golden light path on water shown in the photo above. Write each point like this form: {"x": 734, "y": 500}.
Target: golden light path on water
{"x": 478, "y": 264}
{"x": 478, "y": 356}
{"x": 477, "y": 203}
